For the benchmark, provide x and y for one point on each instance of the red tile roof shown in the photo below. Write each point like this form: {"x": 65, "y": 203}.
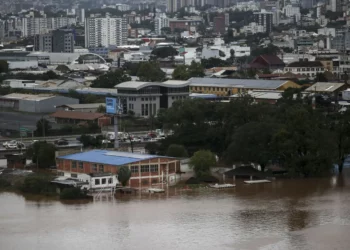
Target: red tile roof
{"x": 272, "y": 59}
{"x": 76, "y": 115}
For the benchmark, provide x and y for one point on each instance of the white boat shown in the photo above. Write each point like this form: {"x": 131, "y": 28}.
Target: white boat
{"x": 156, "y": 190}
{"x": 256, "y": 181}
{"x": 221, "y": 186}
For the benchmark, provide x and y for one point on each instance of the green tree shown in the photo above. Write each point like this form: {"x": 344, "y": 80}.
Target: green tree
{"x": 196, "y": 69}
{"x": 150, "y": 72}
{"x": 42, "y": 127}
{"x": 164, "y": 52}
{"x": 175, "y": 150}
{"x": 152, "y": 148}
{"x": 110, "y": 79}
{"x": 101, "y": 109}
{"x": 4, "y": 66}
{"x": 124, "y": 175}
{"x": 184, "y": 72}
{"x": 214, "y": 62}
{"x": 252, "y": 143}
{"x": 42, "y": 153}
{"x": 202, "y": 161}
{"x": 166, "y": 30}
{"x": 180, "y": 73}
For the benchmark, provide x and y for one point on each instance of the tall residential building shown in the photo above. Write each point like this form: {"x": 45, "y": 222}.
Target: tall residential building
{"x": 105, "y": 31}
{"x": 38, "y": 25}
{"x": 219, "y": 24}
{"x": 159, "y": 23}
{"x": 264, "y": 18}
{"x": 307, "y": 4}
{"x": 173, "y": 5}
{"x": 57, "y": 41}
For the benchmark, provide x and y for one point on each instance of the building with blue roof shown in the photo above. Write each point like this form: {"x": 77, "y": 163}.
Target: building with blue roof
{"x": 100, "y": 166}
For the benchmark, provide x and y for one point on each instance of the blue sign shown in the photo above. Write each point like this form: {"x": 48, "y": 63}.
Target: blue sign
{"x": 111, "y": 105}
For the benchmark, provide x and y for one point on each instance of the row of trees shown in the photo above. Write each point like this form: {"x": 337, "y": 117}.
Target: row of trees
{"x": 305, "y": 141}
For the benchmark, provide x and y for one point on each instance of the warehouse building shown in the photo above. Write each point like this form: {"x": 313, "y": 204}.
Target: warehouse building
{"x": 43, "y": 103}
{"x": 227, "y": 87}
{"x": 146, "y": 170}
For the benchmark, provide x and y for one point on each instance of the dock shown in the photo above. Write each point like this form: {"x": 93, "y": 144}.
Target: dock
{"x": 222, "y": 186}
{"x": 256, "y": 181}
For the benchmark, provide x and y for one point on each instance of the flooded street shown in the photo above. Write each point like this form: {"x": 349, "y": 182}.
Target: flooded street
{"x": 284, "y": 214}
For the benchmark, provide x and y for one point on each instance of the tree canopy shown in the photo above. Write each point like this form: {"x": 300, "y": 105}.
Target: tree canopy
{"x": 201, "y": 162}
{"x": 124, "y": 175}
{"x": 4, "y": 66}
{"x": 175, "y": 150}
{"x": 164, "y": 52}
{"x": 305, "y": 141}
{"x": 42, "y": 153}
{"x": 150, "y": 72}
{"x": 184, "y": 72}
{"x": 110, "y": 79}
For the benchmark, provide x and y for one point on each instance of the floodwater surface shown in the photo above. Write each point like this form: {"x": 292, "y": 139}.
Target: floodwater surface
{"x": 285, "y": 214}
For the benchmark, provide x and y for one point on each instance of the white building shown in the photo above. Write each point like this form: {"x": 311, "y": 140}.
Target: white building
{"x": 122, "y": 7}
{"x": 38, "y": 25}
{"x": 159, "y": 23}
{"x": 105, "y": 31}
{"x": 292, "y": 11}
{"x": 252, "y": 28}
{"x": 326, "y": 31}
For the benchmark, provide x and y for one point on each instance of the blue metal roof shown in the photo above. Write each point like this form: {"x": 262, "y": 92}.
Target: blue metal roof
{"x": 108, "y": 157}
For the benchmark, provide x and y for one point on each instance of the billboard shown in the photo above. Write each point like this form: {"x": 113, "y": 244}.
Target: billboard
{"x": 111, "y": 105}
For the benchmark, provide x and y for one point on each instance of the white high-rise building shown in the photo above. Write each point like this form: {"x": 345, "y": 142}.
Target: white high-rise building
{"x": 35, "y": 26}
{"x": 159, "y": 23}
{"x": 105, "y": 31}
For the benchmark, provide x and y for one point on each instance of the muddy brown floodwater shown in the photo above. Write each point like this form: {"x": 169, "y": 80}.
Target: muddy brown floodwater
{"x": 285, "y": 214}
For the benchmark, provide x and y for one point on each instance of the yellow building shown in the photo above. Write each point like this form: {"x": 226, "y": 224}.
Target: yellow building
{"x": 227, "y": 87}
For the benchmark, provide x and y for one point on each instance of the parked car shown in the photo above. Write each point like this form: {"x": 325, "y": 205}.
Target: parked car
{"x": 136, "y": 139}
{"x": 14, "y": 145}
{"x": 61, "y": 142}
{"x": 9, "y": 142}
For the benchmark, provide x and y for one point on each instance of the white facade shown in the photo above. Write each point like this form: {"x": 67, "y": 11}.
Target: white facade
{"x": 93, "y": 182}
{"x": 326, "y": 31}
{"x": 292, "y": 11}
{"x": 252, "y": 28}
{"x": 36, "y": 26}
{"x": 122, "y": 7}
{"x": 105, "y": 31}
{"x": 159, "y": 23}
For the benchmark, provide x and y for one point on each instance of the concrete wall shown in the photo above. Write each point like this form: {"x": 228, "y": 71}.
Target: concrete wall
{"x": 46, "y": 105}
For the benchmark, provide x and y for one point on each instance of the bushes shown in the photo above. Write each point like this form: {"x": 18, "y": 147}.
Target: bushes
{"x": 4, "y": 184}
{"x": 37, "y": 185}
{"x": 72, "y": 194}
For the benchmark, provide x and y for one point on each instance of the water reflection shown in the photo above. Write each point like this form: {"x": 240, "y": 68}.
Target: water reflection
{"x": 284, "y": 214}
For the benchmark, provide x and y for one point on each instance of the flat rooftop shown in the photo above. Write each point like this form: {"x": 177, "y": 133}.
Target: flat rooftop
{"x": 108, "y": 157}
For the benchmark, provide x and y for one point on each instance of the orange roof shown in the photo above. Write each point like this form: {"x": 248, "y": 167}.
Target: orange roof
{"x": 77, "y": 115}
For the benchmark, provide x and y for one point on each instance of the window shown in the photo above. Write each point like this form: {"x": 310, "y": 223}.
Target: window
{"x": 142, "y": 109}
{"x": 74, "y": 164}
{"x": 142, "y": 99}
{"x": 110, "y": 180}
{"x": 104, "y": 180}
{"x": 154, "y": 168}
{"x": 101, "y": 168}
{"x": 144, "y": 168}
{"x": 134, "y": 169}
{"x": 154, "y": 98}
{"x": 74, "y": 175}
{"x": 81, "y": 165}
{"x": 97, "y": 181}
{"x": 94, "y": 167}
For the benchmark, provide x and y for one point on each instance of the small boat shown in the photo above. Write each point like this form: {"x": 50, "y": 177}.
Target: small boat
{"x": 156, "y": 190}
{"x": 221, "y": 186}
{"x": 256, "y": 181}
